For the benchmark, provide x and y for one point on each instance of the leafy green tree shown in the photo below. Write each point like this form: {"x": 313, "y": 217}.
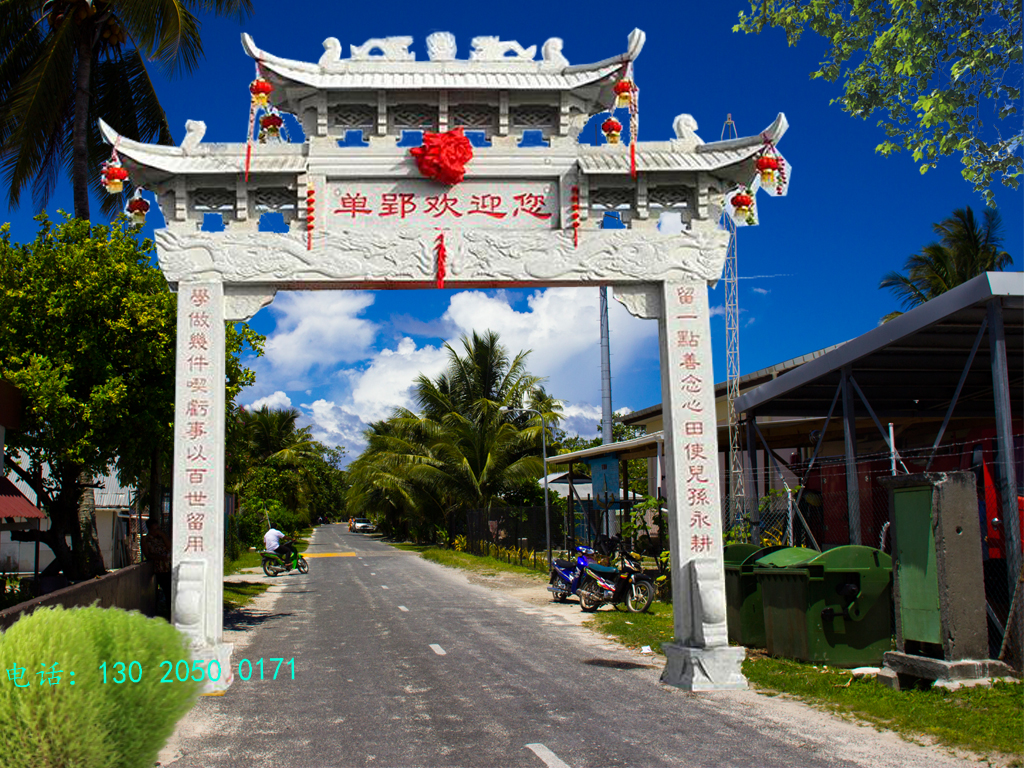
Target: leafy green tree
{"x": 64, "y": 64}
{"x": 966, "y": 249}
{"x": 89, "y": 338}
{"x": 944, "y": 74}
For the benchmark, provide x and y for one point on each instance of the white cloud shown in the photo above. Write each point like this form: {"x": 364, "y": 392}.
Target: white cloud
{"x": 387, "y": 382}
{"x": 717, "y": 310}
{"x": 277, "y": 400}
{"x": 335, "y": 425}
{"x": 581, "y": 418}
{"x": 762, "y": 291}
{"x": 561, "y": 327}
{"x": 319, "y": 329}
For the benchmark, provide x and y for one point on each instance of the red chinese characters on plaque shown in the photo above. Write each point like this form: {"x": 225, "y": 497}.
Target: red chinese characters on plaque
{"x": 477, "y": 204}
{"x": 196, "y": 414}
{"x": 696, "y": 485}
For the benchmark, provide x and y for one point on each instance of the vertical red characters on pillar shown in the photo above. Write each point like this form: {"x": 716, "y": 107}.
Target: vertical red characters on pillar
{"x": 310, "y": 217}
{"x": 575, "y": 197}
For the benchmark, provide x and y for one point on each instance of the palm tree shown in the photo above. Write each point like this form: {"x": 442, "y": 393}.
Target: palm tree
{"x": 461, "y": 452}
{"x": 66, "y": 63}
{"x": 966, "y": 249}
{"x": 270, "y": 434}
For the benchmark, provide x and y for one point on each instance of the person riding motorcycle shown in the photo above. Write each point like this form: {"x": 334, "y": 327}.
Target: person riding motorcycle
{"x": 275, "y": 541}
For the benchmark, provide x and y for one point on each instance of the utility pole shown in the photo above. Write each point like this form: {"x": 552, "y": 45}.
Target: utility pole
{"x": 606, "y": 373}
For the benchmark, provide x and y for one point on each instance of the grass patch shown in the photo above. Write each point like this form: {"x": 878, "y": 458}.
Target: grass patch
{"x": 979, "y": 719}
{"x": 485, "y": 565}
{"x": 239, "y": 593}
{"x": 407, "y": 546}
{"x": 635, "y": 630}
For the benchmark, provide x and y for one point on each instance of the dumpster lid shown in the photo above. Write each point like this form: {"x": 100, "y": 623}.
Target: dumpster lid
{"x": 853, "y": 557}
{"x": 786, "y": 557}
{"x": 751, "y": 561}
{"x": 737, "y": 553}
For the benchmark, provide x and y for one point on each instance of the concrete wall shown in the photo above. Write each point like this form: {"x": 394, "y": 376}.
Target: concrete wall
{"x": 132, "y": 588}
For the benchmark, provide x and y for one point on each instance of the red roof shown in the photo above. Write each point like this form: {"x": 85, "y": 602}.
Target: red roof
{"x": 14, "y": 504}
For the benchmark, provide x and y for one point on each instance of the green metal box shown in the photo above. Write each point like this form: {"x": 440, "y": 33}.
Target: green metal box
{"x": 744, "y": 611}
{"x": 833, "y": 609}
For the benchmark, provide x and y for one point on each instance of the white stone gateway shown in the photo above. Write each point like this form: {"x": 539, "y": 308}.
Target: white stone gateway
{"x": 361, "y": 215}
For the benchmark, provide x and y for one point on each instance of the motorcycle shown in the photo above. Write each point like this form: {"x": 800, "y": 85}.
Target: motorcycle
{"x": 605, "y": 584}
{"x": 274, "y": 564}
{"x": 565, "y": 574}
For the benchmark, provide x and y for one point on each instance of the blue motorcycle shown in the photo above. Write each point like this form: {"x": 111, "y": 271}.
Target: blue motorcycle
{"x": 565, "y": 574}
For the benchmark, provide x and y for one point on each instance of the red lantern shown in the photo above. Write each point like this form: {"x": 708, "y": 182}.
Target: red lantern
{"x": 623, "y": 92}
{"x": 260, "y": 88}
{"x": 270, "y": 127}
{"x": 742, "y": 203}
{"x": 767, "y": 166}
{"x": 612, "y": 129}
{"x": 113, "y": 177}
{"x": 137, "y": 209}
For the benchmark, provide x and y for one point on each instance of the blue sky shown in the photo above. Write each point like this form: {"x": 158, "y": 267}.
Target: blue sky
{"x": 809, "y": 272}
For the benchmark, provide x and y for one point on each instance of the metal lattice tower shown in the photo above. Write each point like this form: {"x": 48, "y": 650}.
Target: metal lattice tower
{"x": 732, "y": 354}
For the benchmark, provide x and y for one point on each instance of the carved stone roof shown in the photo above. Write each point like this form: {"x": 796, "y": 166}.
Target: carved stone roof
{"x": 148, "y": 163}
{"x": 380, "y": 73}
{"x": 677, "y": 155}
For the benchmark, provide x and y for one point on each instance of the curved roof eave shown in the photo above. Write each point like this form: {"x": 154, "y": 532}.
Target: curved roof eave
{"x": 458, "y": 73}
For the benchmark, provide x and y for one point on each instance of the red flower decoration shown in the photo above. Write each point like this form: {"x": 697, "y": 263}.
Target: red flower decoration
{"x": 271, "y": 121}
{"x": 766, "y": 162}
{"x": 137, "y": 205}
{"x": 611, "y": 125}
{"x": 443, "y": 156}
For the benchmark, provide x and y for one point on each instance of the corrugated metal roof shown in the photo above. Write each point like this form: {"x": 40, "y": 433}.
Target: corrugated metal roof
{"x": 14, "y": 504}
{"x": 625, "y": 446}
{"x": 112, "y": 494}
{"x": 910, "y": 365}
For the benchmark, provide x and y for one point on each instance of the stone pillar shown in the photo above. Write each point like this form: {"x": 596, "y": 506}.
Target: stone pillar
{"x": 198, "y": 510}
{"x": 699, "y": 658}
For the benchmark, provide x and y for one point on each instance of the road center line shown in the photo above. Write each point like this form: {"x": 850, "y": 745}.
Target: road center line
{"x": 403, "y": 608}
{"x": 442, "y": 652}
{"x": 551, "y": 760}
{"x": 383, "y": 586}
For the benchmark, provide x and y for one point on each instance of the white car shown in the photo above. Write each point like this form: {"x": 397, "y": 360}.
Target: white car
{"x": 362, "y": 525}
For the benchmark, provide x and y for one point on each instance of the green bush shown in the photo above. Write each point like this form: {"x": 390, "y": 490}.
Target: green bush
{"x": 89, "y": 724}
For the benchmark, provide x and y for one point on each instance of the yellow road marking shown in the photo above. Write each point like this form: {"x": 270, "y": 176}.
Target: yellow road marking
{"x": 329, "y": 554}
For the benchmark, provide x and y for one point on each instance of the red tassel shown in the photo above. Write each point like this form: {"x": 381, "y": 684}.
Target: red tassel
{"x": 442, "y": 257}
{"x": 310, "y": 217}
{"x": 632, "y": 158}
{"x": 575, "y": 217}
{"x": 248, "y": 140}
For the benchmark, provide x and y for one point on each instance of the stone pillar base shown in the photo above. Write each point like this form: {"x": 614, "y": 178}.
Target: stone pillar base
{"x": 704, "y": 669}
{"x": 221, "y": 654}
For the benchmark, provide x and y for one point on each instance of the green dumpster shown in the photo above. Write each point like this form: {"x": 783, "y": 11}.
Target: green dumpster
{"x": 743, "y": 594}
{"x": 832, "y": 609}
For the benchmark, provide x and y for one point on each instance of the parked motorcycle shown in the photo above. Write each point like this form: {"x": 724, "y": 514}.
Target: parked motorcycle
{"x": 605, "y": 584}
{"x": 274, "y": 564}
{"x": 565, "y": 574}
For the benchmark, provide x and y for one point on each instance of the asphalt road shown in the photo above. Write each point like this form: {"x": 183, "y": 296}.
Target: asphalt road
{"x": 400, "y": 662}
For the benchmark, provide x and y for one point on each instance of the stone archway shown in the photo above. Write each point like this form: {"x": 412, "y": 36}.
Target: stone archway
{"x": 362, "y": 216}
